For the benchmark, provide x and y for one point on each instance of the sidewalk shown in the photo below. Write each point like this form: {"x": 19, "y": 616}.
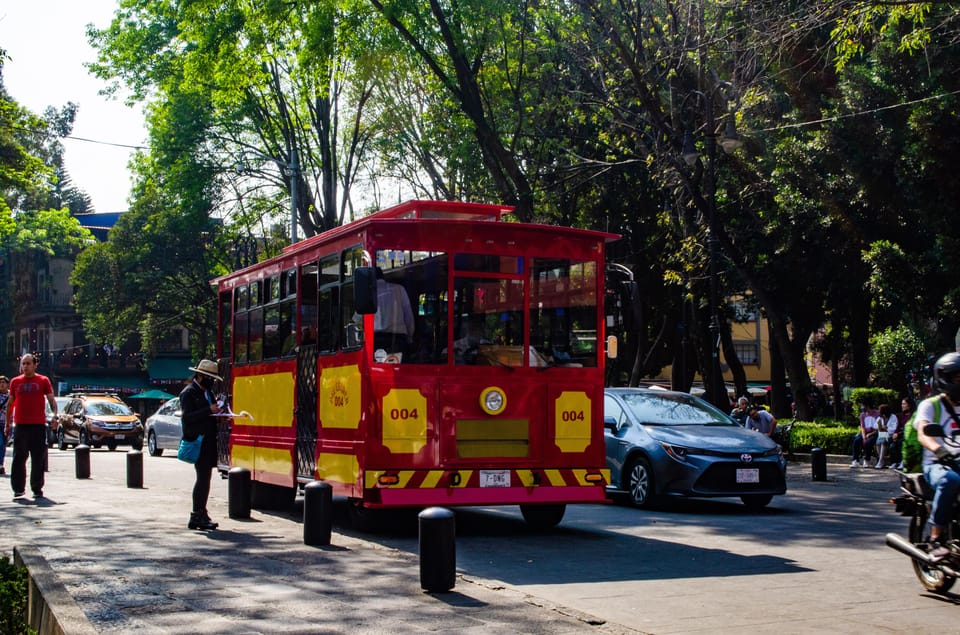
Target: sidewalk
{"x": 127, "y": 558}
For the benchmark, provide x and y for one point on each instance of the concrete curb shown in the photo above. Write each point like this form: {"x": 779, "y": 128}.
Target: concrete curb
{"x": 51, "y": 610}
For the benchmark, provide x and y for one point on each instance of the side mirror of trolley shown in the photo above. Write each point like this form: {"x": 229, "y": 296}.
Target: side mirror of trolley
{"x": 610, "y": 346}
{"x": 365, "y": 290}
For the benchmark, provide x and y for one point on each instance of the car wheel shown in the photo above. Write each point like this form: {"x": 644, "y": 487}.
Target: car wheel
{"x": 61, "y": 439}
{"x": 152, "y": 444}
{"x": 756, "y": 502}
{"x": 639, "y": 482}
{"x": 84, "y": 437}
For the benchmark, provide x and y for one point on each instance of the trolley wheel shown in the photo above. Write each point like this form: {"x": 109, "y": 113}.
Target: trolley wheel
{"x": 363, "y": 518}
{"x": 543, "y": 516}
{"x": 275, "y": 497}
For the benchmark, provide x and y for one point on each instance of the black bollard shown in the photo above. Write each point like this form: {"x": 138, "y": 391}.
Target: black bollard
{"x": 317, "y": 513}
{"x": 818, "y": 463}
{"x": 438, "y": 550}
{"x": 238, "y": 492}
{"x": 135, "y": 469}
{"x": 82, "y": 455}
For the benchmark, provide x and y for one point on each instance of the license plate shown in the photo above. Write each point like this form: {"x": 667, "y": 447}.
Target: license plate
{"x": 494, "y": 478}
{"x": 748, "y": 475}
{"x": 118, "y": 436}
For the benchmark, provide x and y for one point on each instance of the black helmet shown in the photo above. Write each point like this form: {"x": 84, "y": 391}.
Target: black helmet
{"x": 943, "y": 371}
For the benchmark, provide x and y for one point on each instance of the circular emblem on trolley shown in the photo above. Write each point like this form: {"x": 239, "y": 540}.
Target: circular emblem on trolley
{"x": 746, "y": 457}
{"x": 493, "y": 400}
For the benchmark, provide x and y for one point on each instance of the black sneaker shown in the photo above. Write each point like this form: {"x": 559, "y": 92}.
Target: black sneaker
{"x": 38, "y": 494}
{"x": 18, "y": 494}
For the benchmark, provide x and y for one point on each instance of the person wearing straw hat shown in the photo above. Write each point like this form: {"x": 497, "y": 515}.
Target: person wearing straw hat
{"x": 200, "y": 407}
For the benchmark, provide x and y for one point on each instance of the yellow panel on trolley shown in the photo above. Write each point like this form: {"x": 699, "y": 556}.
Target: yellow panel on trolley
{"x": 255, "y": 459}
{"x": 268, "y": 399}
{"x": 404, "y": 421}
{"x": 341, "y": 468}
{"x": 340, "y": 404}
{"x": 572, "y": 421}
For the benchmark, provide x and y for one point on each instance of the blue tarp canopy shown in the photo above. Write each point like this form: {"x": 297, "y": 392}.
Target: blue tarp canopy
{"x": 152, "y": 394}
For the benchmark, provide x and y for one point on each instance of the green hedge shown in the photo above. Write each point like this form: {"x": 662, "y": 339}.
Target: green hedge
{"x": 13, "y": 597}
{"x": 833, "y": 436}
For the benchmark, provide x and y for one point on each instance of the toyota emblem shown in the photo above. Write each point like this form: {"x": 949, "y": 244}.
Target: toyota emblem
{"x": 746, "y": 457}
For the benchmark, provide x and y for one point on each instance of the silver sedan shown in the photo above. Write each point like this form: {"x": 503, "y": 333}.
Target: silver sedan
{"x": 163, "y": 427}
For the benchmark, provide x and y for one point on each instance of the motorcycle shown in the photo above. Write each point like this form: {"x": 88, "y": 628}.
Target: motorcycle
{"x": 914, "y": 502}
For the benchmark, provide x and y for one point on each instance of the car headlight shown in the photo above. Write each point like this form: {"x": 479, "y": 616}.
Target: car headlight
{"x": 677, "y": 452}
{"x": 493, "y": 400}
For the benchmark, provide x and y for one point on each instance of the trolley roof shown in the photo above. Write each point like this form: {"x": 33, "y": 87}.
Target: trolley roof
{"x": 416, "y": 210}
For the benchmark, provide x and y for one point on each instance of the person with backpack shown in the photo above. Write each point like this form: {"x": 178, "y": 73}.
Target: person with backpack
{"x": 942, "y": 450}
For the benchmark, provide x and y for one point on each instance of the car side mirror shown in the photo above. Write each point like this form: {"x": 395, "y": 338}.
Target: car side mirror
{"x": 610, "y": 423}
{"x": 933, "y": 430}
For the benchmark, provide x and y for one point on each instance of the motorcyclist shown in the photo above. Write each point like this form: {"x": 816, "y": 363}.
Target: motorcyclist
{"x": 938, "y": 451}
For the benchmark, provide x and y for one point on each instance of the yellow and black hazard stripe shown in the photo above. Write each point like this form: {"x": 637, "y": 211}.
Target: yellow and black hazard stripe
{"x": 430, "y": 479}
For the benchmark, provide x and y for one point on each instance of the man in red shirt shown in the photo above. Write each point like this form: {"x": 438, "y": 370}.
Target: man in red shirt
{"x": 25, "y": 408}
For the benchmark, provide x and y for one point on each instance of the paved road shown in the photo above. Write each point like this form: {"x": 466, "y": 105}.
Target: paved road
{"x": 813, "y": 562}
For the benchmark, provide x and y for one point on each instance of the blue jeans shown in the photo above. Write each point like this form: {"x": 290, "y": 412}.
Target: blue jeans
{"x": 946, "y": 484}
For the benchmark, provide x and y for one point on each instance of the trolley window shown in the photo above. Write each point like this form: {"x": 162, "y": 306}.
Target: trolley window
{"x": 328, "y": 305}
{"x": 423, "y": 277}
{"x": 226, "y": 322}
{"x": 353, "y": 324}
{"x": 308, "y": 302}
{"x": 563, "y": 311}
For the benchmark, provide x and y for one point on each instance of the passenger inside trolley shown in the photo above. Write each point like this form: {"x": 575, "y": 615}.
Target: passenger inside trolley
{"x": 393, "y": 325}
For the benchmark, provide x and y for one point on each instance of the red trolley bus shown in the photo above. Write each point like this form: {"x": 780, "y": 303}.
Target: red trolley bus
{"x": 428, "y": 354}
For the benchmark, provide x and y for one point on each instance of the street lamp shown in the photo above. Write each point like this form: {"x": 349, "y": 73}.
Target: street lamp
{"x": 290, "y": 169}
{"x": 730, "y": 141}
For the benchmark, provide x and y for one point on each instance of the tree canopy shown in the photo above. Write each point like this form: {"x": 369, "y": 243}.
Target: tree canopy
{"x": 833, "y": 219}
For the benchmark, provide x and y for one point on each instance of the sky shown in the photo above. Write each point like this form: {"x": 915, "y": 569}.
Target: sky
{"x": 47, "y": 47}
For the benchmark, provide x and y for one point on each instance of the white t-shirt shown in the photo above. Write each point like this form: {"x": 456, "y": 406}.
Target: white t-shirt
{"x": 891, "y": 424}
{"x": 394, "y": 314}
{"x": 925, "y": 412}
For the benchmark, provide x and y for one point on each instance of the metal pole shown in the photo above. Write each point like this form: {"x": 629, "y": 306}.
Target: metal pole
{"x": 294, "y": 181}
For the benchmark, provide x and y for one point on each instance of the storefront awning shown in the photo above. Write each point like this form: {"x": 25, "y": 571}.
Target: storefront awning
{"x": 176, "y": 368}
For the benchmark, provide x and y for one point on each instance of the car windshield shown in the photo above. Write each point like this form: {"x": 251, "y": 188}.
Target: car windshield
{"x": 673, "y": 409}
{"x": 109, "y": 408}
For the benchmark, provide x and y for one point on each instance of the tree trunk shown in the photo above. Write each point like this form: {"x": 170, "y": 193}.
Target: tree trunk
{"x": 733, "y": 360}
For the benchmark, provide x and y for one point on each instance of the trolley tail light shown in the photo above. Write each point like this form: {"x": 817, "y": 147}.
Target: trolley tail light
{"x": 388, "y": 479}
{"x": 597, "y": 478}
